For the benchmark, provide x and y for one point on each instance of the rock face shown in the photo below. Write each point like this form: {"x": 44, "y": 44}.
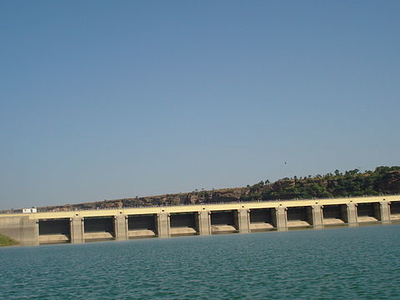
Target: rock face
{"x": 196, "y": 197}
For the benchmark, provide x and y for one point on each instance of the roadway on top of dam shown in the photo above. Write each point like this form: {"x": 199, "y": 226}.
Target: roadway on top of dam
{"x": 204, "y": 207}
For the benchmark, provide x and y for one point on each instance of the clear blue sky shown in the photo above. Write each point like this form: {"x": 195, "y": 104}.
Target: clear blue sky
{"x": 113, "y": 99}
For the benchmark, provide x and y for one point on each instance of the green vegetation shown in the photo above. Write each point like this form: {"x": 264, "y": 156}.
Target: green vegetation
{"x": 384, "y": 180}
{"x": 6, "y": 241}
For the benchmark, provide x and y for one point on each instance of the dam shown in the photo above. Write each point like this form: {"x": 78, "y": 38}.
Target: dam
{"x": 82, "y": 226}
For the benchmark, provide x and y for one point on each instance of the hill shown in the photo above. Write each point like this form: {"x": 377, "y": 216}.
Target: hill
{"x": 383, "y": 180}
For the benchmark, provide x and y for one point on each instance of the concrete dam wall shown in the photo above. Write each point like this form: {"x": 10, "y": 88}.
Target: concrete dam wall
{"x": 132, "y": 223}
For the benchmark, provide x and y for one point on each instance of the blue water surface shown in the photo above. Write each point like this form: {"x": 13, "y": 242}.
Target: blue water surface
{"x": 340, "y": 263}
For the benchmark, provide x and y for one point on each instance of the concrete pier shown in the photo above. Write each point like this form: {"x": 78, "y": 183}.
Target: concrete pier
{"x": 351, "y": 214}
{"x": 384, "y": 212}
{"x": 77, "y": 230}
{"x": 281, "y": 218}
{"x": 163, "y": 225}
{"x": 204, "y": 222}
{"x": 243, "y": 220}
{"x": 121, "y": 227}
{"x": 29, "y": 232}
{"x": 317, "y": 218}
{"x": 206, "y": 219}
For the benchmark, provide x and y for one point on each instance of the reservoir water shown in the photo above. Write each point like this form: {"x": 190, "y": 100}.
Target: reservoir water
{"x": 340, "y": 263}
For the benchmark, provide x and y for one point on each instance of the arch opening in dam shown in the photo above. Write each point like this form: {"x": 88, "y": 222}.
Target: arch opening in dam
{"x": 183, "y": 224}
{"x": 368, "y": 212}
{"x": 394, "y": 211}
{"x": 262, "y": 219}
{"x": 334, "y": 215}
{"x": 142, "y": 226}
{"x": 54, "y": 231}
{"x": 224, "y": 222}
{"x": 299, "y": 217}
{"x": 99, "y": 228}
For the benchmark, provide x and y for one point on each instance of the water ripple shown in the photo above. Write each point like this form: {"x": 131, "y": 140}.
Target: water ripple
{"x": 342, "y": 263}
